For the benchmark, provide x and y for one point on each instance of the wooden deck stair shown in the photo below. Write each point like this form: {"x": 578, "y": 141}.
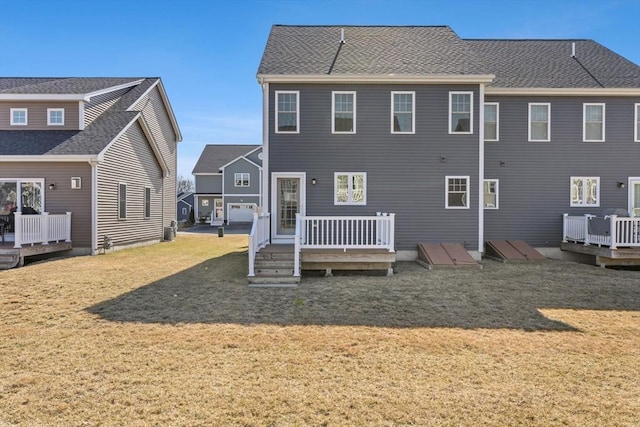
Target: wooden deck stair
{"x": 274, "y": 267}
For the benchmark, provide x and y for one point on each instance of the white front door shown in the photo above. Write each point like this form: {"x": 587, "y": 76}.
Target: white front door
{"x": 218, "y": 212}
{"x": 634, "y": 197}
{"x": 287, "y": 199}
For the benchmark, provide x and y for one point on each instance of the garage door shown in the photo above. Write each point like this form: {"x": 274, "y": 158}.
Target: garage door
{"x": 241, "y": 212}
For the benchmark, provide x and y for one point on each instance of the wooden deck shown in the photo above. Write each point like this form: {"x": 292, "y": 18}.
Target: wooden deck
{"x": 604, "y": 255}
{"x": 11, "y": 257}
{"x": 347, "y": 259}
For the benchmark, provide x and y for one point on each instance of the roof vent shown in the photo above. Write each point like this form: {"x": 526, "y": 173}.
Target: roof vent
{"x": 573, "y": 49}
{"x": 342, "y": 36}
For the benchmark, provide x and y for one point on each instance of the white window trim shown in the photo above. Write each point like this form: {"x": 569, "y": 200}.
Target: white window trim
{"x": 584, "y": 121}
{"x": 120, "y": 184}
{"x": 584, "y": 192}
{"x": 349, "y": 201}
{"x": 51, "y": 110}
{"x": 333, "y": 111}
{"x": 446, "y": 191}
{"x": 497, "y": 206}
{"x": 144, "y": 202}
{"x": 548, "y": 105}
{"x": 75, "y": 186}
{"x": 297, "y": 94}
{"x": 497, "y": 104}
{"x": 635, "y": 123}
{"x": 413, "y": 111}
{"x": 26, "y": 116}
{"x": 470, "y": 93}
{"x": 242, "y": 174}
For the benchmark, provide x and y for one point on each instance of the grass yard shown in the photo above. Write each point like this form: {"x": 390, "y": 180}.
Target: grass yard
{"x": 172, "y": 335}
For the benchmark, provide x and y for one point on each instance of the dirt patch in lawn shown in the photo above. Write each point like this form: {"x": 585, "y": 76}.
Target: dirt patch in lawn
{"x": 171, "y": 334}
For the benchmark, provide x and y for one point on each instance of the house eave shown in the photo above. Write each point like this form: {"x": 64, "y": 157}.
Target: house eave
{"x": 521, "y": 91}
{"x": 40, "y": 97}
{"x": 50, "y": 158}
{"x": 375, "y": 78}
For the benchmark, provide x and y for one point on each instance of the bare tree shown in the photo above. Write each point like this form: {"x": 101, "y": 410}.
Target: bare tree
{"x": 185, "y": 185}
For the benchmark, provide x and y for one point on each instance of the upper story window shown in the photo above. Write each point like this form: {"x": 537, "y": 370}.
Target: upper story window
{"x": 287, "y": 112}
{"x": 491, "y": 113}
{"x": 585, "y": 191}
{"x": 593, "y": 123}
{"x": 637, "y": 122}
{"x": 122, "y": 201}
{"x": 490, "y": 194}
{"x": 539, "y": 122}
{"x": 147, "y": 202}
{"x": 241, "y": 179}
{"x": 19, "y": 117}
{"x": 403, "y": 112}
{"x": 344, "y": 112}
{"x": 460, "y": 112}
{"x": 350, "y": 188}
{"x": 457, "y": 192}
{"x": 55, "y": 116}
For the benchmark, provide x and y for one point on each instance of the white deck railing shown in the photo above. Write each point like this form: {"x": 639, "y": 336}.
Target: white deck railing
{"x": 621, "y": 231}
{"x": 43, "y": 229}
{"x": 258, "y": 238}
{"x": 343, "y": 232}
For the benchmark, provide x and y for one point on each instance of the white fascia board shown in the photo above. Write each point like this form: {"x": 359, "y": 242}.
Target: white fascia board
{"x": 88, "y": 96}
{"x": 237, "y": 159}
{"x": 167, "y": 106}
{"x": 253, "y": 151}
{"x": 562, "y": 91}
{"x": 375, "y": 78}
{"x": 50, "y": 158}
{"x": 207, "y": 173}
{"x": 40, "y": 97}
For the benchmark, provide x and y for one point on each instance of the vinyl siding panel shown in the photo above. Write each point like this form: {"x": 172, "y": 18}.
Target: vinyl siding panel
{"x": 405, "y": 172}
{"x": 62, "y": 199}
{"x": 37, "y": 115}
{"x": 131, "y": 161}
{"x": 99, "y": 104}
{"x": 208, "y": 184}
{"x": 241, "y": 166}
{"x": 535, "y": 179}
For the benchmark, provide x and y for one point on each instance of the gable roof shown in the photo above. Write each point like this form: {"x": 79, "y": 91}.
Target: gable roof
{"x": 215, "y": 156}
{"x": 549, "y": 64}
{"x": 368, "y": 51}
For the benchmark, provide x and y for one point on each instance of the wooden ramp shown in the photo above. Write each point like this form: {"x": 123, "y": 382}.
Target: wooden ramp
{"x": 432, "y": 255}
{"x": 512, "y": 250}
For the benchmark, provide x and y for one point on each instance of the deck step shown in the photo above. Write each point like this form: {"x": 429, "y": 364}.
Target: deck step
{"x": 273, "y": 280}
{"x": 8, "y": 261}
{"x": 275, "y": 271}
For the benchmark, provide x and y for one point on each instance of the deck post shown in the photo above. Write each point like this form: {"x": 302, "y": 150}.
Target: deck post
{"x": 392, "y": 234}
{"x": 296, "y": 246}
{"x": 68, "y": 239}
{"x": 586, "y": 229}
{"x": 17, "y": 228}
{"x": 44, "y": 228}
{"x": 564, "y": 227}
{"x": 612, "y": 231}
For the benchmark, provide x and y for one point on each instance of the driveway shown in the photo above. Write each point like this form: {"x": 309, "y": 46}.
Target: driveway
{"x": 239, "y": 228}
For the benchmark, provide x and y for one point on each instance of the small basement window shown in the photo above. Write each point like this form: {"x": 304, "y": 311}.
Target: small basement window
{"x": 76, "y": 183}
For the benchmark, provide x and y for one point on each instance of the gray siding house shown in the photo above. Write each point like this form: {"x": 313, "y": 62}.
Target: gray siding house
{"x": 103, "y": 149}
{"x": 463, "y": 140}
{"x": 228, "y": 182}
{"x": 184, "y": 206}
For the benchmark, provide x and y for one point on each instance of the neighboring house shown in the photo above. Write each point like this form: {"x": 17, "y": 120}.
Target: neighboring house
{"x": 464, "y": 140}
{"x": 184, "y": 206}
{"x": 228, "y": 183}
{"x": 102, "y": 149}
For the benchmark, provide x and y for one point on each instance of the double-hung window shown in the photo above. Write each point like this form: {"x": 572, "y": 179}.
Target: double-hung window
{"x": 241, "y": 179}
{"x": 55, "y": 116}
{"x": 122, "y": 201}
{"x": 350, "y": 188}
{"x": 637, "y": 123}
{"x": 344, "y": 112}
{"x": 461, "y": 112}
{"x": 19, "y": 116}
{"x": 287, "y": 112}
{"x": 491, "y": 113}
{"x": 457, "y": 192}
{"x": 490, "y": 193}
{"x": 539, "y": 122}
{"x": 147, "y": 202}
{"x": 593, "y": 123}
{"x": 403, "y": 112}
{"x": 585, "y": 191}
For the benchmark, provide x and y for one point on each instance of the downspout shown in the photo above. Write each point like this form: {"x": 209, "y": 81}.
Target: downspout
{"x": 94, "y": 206}
{"x": 481, "y": 172}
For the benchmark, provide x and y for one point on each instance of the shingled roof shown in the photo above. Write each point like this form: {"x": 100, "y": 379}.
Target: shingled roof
{"x": 550, "y": 64}
{"x": 60, "y": 85}
{"x": 368, "y": 50}
{"x": 214, "y": 156}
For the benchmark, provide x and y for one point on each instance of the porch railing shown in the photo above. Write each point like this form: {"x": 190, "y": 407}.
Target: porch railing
{"x": 258, "y": 238}
{"x": 620, "y": 231}
{"x": 343, "y": 232}
{"x": 43, "y": 229}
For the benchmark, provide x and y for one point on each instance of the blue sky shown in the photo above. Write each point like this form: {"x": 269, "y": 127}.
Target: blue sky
{"x": 207, "y": 51}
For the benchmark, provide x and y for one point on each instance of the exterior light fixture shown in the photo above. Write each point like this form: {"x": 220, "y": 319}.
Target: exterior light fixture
{"x": 314, "y": 181}
{"x": 620, "y": 184}
{"x": 52, "y": 186}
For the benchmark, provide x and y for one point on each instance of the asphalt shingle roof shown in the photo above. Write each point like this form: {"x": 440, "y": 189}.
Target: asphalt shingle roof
{"x": 368, "y": 50}
{"x": 214, "y": 156}
{"x": 549, "y": 64}
{"x": 60, "y": 85}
